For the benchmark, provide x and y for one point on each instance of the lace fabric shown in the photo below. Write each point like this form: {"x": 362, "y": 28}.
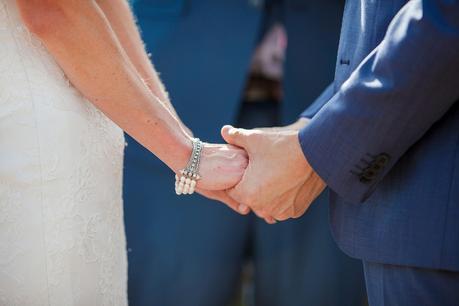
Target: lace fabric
{"x": 62, "y": 238}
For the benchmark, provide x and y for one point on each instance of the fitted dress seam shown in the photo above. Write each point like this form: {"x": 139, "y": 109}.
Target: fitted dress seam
{"x": 35, "y": 115}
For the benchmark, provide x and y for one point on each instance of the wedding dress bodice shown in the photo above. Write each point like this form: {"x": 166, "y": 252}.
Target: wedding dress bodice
{"x": 61, "y": 217}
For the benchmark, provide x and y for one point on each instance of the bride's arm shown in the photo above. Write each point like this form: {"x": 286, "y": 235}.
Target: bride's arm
{"x": 79, "y": 36}
{"x": 81, "y": 40}
{"x": 122, "y": 22}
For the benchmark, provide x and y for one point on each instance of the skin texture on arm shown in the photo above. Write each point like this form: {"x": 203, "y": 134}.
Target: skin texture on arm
{"x": 123, "y": 24}
{"x": 82, "y": 41}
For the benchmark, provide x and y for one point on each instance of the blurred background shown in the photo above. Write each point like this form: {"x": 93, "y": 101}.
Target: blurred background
{"x": 250, "y": 63}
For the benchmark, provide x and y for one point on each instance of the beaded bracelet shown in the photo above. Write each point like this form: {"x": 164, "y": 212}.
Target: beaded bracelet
{"x": 185, "y": 184}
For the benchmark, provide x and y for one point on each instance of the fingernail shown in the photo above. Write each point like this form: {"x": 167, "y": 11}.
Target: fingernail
{"x": 243, "y": 209}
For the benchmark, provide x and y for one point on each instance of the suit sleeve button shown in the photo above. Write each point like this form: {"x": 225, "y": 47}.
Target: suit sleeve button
{"x": 382, "y": 159}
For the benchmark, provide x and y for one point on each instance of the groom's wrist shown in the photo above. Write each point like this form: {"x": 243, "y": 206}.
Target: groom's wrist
{"x": 299, "y": 124}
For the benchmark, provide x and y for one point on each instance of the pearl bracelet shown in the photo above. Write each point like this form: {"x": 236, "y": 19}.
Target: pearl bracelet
{"x": 186, "y": 183}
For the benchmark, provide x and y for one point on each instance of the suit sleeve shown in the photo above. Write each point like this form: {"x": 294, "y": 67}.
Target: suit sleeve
{"x": 406, "y": 84}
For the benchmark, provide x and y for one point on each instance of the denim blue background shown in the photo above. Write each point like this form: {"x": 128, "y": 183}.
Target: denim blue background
{"x": 189, "y": 250}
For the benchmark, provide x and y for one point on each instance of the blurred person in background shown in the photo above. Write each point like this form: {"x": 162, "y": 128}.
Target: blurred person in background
{"x": 228, "y": 61}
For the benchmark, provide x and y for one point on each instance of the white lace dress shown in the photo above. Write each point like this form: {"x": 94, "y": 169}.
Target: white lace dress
{"x": 62, "y": 236}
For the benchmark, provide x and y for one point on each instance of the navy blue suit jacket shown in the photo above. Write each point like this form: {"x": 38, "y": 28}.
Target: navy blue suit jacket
{"x": 385, "y": 134}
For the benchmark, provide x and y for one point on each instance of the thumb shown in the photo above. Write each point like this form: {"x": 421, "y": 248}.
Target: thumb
{"x": 234, "y": 136}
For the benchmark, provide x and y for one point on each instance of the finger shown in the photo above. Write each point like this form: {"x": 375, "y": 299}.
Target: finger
{"x": 299, "y": 211}
{"x": 284, "y": 208}
{"x": 223, "y": 197}
{"x": 241, "y": 151}
{"x": 280, "y": 208}
{"x": 234, "y": 136}
{"x": 286, "y": 214}
{"x": 270, "y": 220}
{"x": 300, "y": 206}
{"x": 263, "y": 215}
{"x": 234, "y": 194}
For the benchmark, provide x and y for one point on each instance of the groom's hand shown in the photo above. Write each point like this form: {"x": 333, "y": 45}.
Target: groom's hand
{"x": 222, "y": 196}
{"x": 278, "y": 183}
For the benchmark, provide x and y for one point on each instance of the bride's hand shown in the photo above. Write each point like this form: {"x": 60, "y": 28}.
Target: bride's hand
{"x": 221, "y": 166}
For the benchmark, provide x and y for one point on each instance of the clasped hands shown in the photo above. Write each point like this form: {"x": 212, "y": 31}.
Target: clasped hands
{"x": 263, "y": 170}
